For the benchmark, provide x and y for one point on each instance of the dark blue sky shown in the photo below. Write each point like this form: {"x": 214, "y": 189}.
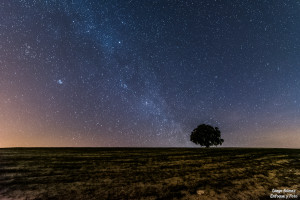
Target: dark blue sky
{"x": 146, "y": 73}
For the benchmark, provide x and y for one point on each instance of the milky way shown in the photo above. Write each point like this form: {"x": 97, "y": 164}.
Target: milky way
{"x": 146, "y": 73}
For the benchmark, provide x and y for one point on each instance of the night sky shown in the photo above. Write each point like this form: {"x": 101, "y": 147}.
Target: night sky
{"x": 143, "y": 73}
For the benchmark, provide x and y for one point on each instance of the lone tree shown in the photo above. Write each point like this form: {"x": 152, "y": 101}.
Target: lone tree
{"x": 206, "y": 135}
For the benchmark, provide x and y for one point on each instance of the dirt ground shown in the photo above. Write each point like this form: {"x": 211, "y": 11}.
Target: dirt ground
{"x": 149, "y": 173}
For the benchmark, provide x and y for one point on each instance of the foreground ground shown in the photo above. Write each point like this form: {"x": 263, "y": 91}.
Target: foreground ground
{"x": 148, "y": 173}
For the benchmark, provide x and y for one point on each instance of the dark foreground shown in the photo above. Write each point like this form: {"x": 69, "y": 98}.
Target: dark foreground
{"x": 148, "y": 173}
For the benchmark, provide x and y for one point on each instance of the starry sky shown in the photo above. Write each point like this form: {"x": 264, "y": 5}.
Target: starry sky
{"x": 140, "y": 73}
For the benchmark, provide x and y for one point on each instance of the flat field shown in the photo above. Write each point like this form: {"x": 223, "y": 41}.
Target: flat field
{"x": 148, "y": 173}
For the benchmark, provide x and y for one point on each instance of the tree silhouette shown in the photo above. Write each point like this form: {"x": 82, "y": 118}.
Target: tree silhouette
{"x": 206, "y": 135}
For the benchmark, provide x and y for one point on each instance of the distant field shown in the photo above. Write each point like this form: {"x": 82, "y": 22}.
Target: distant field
{"x": 148, "y": 173}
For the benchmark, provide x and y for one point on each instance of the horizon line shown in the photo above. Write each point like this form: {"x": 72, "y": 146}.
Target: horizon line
{"x": 130, "y": 147}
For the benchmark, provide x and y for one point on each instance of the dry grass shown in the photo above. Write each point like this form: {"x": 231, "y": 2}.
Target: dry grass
{"x": 149, "y": 173}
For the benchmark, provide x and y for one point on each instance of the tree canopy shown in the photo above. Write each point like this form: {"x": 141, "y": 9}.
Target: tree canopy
{"x": 206, "y": 135}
